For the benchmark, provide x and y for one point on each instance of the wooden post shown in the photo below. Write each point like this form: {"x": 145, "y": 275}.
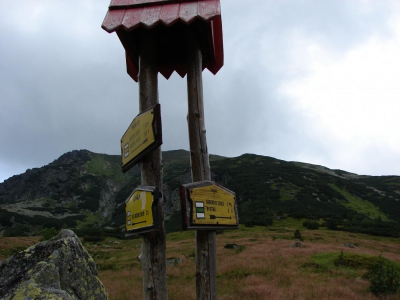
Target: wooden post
{"x": 153, "y": 244}
{"x": 200, "y": 165}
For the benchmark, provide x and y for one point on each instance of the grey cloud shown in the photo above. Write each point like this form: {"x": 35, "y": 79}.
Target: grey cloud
{"x": 64, "y": 84}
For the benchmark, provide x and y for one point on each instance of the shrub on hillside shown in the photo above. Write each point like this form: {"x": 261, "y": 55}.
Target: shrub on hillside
{"x": 5, "y": 218}
{"x": 331, "y": 224}
{"x": 297, "y": 235}
{"x": 19, "y": 230}
{"x": 114, "y": 232}
{"x": 48, "y": 233}
{"x": 174, "y": 223}
{"x": 5, "y": 222}
{"x": 310, "y": 224}
{"x": 91, "y": 234}
{"x": 93, "y": 238}
{"x": 384, "y": 276}
{"x": 355, "y": 261}
{"x": 91, "y": 204}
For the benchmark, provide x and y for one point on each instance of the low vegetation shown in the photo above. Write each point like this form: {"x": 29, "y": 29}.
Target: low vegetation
{"x": 255, "y": 263}
{"x": 384, "y": 276}
{"x": 307, "y": 232}
{"x": 82, "y": 188}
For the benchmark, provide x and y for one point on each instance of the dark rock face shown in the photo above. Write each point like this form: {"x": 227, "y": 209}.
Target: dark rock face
{"x": 59, "y": 268}
{"x": 47, "y": 181}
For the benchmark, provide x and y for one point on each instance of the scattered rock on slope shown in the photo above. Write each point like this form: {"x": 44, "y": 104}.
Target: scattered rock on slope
{"x": 59, "y": 268}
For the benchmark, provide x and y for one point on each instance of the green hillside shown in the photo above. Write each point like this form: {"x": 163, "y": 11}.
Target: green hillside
{"x": 84, "y": 189}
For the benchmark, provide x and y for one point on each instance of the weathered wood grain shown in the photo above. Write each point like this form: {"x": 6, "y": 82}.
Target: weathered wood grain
{"x": 200, "y": 165}
{"x": 153, "y": 244}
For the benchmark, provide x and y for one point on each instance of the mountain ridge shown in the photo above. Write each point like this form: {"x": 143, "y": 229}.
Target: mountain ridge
{"x": 81, "y": 188}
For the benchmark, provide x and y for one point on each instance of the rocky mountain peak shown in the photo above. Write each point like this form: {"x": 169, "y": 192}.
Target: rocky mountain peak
{"x": 73, "y": 157}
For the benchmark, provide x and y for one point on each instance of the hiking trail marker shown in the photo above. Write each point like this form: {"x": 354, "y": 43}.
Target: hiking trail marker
{"x": 142, "y": 137}
{"x": 163, "y": 36}
{"x": 207, "y": 205}
{"x": 140, "y": 210}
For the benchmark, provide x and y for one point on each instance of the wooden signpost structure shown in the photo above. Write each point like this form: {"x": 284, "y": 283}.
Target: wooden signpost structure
{"x": 166, "y": 36}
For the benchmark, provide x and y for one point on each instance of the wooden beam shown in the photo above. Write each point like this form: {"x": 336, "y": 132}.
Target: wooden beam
{"x": 153, "y": 243}
{"x": 200, "y": 166}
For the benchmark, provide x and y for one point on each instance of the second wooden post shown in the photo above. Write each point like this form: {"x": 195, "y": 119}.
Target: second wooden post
{"x": 200, "y": 165}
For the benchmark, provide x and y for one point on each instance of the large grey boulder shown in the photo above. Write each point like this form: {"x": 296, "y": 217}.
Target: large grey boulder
{"x": 59, "y": 268}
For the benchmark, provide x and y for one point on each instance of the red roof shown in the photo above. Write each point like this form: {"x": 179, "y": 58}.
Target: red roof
{"x": 167, "y": 16}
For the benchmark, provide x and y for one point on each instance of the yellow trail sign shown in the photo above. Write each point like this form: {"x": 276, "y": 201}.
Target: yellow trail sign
{"x": 206, "y": 205}
{"x": 140, "y": 209}
{"x": 143, "y": 136}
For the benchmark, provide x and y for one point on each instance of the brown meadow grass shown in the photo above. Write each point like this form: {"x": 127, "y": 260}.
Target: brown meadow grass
{"x": 266, "y": 266}
{"x": 12, "y": 245}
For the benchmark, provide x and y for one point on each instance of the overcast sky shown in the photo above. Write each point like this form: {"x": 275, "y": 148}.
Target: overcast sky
{"x": 304, "y": 80}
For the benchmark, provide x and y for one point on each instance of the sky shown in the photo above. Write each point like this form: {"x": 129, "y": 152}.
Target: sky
{"x": 303, "y": 80}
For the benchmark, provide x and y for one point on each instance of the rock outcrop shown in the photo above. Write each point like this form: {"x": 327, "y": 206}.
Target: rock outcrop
{"x": 59, "y": 268}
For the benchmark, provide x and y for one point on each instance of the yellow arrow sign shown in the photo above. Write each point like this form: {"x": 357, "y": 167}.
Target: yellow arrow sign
{"x": 142, "y": 137}
{"x": 139, "y": 209}
{"x": 208, "y": 204}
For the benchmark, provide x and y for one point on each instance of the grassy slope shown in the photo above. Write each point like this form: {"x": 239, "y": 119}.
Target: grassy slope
{"x": 264, "y": 182}
{"x": 360, "y": 205}
{"x": 266, "y": 267}
{"x": 107, "y": 166}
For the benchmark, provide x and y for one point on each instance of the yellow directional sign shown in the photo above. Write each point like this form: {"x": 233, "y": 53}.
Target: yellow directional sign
{"x": 142, "y": 137}
{"x": 208, "y": 205}
{"x": 140, "y": 210}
